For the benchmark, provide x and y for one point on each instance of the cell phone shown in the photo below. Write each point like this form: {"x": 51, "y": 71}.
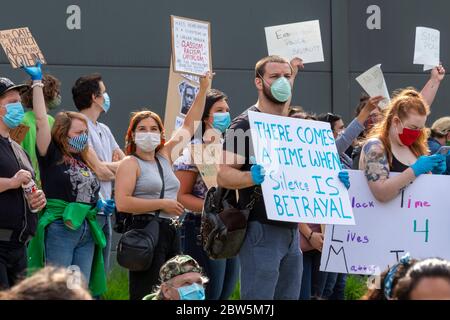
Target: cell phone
{"x": 443, "y": 150}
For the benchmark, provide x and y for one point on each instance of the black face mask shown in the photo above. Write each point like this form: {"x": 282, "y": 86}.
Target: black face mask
{"x": 268, "y": 94}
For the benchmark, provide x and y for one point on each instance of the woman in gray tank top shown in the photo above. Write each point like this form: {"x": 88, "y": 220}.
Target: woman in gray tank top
{"x": 138, "y": 184}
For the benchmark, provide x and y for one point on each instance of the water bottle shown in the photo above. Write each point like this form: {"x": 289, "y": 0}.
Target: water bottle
{"x": 30, "y": 188}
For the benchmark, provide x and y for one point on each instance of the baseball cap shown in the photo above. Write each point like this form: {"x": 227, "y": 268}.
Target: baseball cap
{"x": 178, "y": 265}
{"x": 7, "y": 85}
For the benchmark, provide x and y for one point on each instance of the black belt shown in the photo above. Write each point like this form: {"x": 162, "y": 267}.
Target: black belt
{"x": 143, "y": 217}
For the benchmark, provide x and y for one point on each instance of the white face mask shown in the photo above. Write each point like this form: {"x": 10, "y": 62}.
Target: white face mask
{"x": 147, "y": 141}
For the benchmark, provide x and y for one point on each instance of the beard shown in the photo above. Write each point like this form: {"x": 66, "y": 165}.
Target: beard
{"x": 269, "y": 96}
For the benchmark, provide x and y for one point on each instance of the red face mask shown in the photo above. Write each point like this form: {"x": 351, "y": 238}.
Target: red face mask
{"x": 409, "y": 136}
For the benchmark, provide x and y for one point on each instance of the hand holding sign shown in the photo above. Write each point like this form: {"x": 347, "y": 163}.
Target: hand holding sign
{"x": 34, "y": 72}
{"x": 438, "y": 73}
{"x": 257, "y": 171}
{"x": 372, "y": 81}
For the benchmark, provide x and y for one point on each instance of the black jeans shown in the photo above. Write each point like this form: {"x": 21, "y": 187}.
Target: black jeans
{"x": 13, "y": 263}
{"x": 142, "y": 283}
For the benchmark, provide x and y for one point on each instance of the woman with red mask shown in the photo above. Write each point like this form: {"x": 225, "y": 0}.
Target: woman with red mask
{"x": 399, "y": 144}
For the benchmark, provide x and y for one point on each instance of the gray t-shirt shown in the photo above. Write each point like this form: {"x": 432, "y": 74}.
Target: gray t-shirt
{"x": 149, "y": 184}
{"x": 104, "y": 144}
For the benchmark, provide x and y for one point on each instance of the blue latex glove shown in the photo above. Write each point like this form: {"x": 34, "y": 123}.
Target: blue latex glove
{"x": 441, "y": 167}
{"x": 425, "y": 164}
{"x": 345, "y": 179}
{"x": 107, "y": 206}
{"x": 257, "y": 171}
{"x": 34, "y": 72}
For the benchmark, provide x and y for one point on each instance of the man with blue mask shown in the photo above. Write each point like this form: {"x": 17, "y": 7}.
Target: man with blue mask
{"x": 270, "y": 257}
{"x": 91, "y": 99}
{"x": 181, "y": 279}
{"x": 17, "y": 222}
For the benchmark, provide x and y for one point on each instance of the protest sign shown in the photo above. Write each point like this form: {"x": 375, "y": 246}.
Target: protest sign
{"x": 19, "y": 133}
{"x": 416, "y": 222}
{"x": 20, "y": 47}
{"x": 181, "y": 92}
{"x": 302, "y": 166}
{"x": 207, "y": 157}
{"x": 191, "y": 46}
{"x": 427, "y": 47}
{"x": 372, "y": 81}
{"x": 302, "y": 40}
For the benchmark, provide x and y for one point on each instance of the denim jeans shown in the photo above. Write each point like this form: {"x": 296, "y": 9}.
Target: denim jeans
{"x": 271, "y": 263}
{"x": 65, "y": 247}
{"x": 333, "y": 286}
{"x": 223, "y": 274}
{"x": 311, "y": 275}
{"x": 104, "y": 222}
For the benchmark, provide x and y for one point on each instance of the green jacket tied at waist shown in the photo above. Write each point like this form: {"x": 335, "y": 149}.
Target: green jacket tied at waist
{"x": 73, "y": 215}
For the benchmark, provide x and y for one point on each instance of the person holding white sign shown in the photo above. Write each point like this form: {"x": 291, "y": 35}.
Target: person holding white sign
{"x": 270, "y": 258}
{"x": 399, "y": 144}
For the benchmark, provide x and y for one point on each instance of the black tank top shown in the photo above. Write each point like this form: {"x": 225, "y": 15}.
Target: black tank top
{"x": 397, "y": 166}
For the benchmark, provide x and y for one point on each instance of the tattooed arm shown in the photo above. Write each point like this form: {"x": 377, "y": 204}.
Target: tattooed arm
{"x": 375, "y": 164}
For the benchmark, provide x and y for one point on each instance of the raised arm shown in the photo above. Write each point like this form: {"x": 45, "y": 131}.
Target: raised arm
{"x": 43, "y": 133}
{"x": 182, "y": 136}
{"x": 431, "y": 87}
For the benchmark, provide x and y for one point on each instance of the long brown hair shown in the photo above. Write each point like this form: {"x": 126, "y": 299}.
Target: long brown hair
{"x": 136, "y": 117}
{"x": 401, "y": 105}
{"x": 60, "y": 131}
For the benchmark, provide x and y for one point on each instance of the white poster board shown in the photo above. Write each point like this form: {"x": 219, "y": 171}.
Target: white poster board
{"x": 301, "y": 39}
{"x": 302, "y": 166}
{"x": 427, "y": 47}
{"x": 191, "y": 46}
{"x": 417, "y": 221}
{"x": 372, "y": 81}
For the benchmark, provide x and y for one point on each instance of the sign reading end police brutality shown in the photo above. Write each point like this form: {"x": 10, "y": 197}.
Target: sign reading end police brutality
{"x": 191, "y": 46}
{"x": 302, "y": 166}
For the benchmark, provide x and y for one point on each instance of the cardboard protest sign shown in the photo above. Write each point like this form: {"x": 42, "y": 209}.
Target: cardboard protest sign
{"x": 302, "y": 166}
{"x": 20, "y": 47}
{"x": 181, "y": 93}
{"x": 302, "y": 40}
{"x": 427, "y": 47}
{"x": 191, "y": 46}
{"x": 206, "y": 158}
{"x": 19, "y": 133}
{"x": 416, "y": 222}
{"x": 372, "y": 81}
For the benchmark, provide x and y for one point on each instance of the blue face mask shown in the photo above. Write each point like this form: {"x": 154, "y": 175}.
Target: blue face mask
{"x": 14, "y": 115}
{"x": 281, "y": 89}
{"x": 79, "y": 143}
{"x": 192, "y": 292}
{"x": 106, "y": 102}
{"x": 221, "y": 121}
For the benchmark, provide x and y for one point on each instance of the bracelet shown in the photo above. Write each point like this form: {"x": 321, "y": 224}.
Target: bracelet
{"x": 37, "y": 84}
{"x": 310, "y": 235}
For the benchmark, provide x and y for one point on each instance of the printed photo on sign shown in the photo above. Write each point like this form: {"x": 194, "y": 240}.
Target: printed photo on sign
{"x": 296, "y": 40}
{"x": 416, "y": 222}
{"x": 191, "y": 48}
{"x": 302, "y": 167}
{"x": 187, "y": 93}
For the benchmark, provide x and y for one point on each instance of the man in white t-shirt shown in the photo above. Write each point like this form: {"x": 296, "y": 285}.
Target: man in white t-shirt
{"x": 90, "y": 98}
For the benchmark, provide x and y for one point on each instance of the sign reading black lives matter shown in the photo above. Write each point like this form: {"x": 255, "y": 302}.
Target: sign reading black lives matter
{"x": 191, "y": 46}
{"x": 20, "y": 47}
